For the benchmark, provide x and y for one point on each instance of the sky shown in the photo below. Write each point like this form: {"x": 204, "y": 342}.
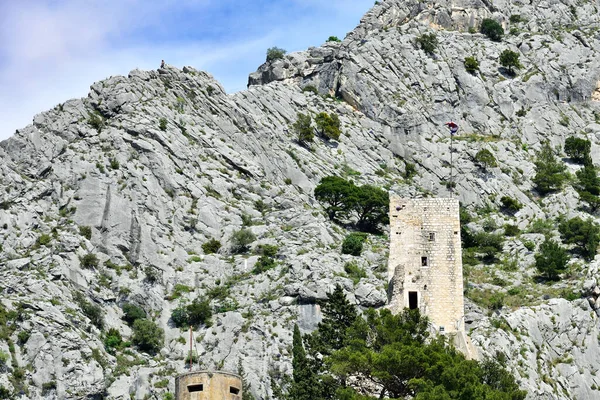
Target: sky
{"x": 53, "y": 50}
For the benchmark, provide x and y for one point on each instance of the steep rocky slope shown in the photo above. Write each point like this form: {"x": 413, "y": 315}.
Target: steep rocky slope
{"x": 160, "y": 162}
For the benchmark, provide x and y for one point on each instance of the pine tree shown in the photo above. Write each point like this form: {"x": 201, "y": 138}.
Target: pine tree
{"x": 550, "y": 171}
{"x": 305, "y": 384}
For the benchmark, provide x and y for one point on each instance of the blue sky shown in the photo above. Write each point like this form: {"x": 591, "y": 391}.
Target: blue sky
{"x": 53, "y": 50}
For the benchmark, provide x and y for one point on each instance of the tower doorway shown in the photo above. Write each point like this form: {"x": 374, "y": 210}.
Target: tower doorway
{"x": 413, "y": 300}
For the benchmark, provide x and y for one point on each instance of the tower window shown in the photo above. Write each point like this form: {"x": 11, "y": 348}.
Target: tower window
{"x": 424, "y": 262}
{"x": 413, "y": 300}
{"x": 432, "y": 236}
{"x": 195, "y": 388}
{"x": 234, "y": 390}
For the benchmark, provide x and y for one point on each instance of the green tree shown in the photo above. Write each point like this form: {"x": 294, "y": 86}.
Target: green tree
{"x": 332, "y": 332}
{"x": 303, "y": 129}
{"x": 338, "y": 196}
{"x": 199, "y": 312}
{"x": 275, "y": 53}
{"x": 333, "y": 39}
{"x": 328, "y": 125}
{"x": 305, "y": 384}
{"x": 550, "y": 171}
{"x": 485, "y": 159}
{"x": 578, "y": 149}
{"x": 353, "y": 243}
{"x": 510, "y": 204}
{"x": 371, "y": 207}
{"x": 510, "y": 59}
{"x": 393, "y": 354}
{"x": 583, "y": 233}
{"x": 241, "y": 240}
{"x": 194, "y": 314}
{"x": 89, "y": 261}
{"x": 131, "y": 313}
{"x": 147, "y": 335}
{"x": 471, "y": 65}
{"x": 588, "y": 186}
{"x": 551, "y": 259}
{"x": 492, "y": 29}
{"x": 428, "y": 42}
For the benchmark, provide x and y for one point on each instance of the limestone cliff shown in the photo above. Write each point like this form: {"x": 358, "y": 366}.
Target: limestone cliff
{"x": 159, "y": 162}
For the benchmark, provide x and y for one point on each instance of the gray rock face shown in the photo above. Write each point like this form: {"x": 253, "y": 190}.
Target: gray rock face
{"x": 151, "y": 166}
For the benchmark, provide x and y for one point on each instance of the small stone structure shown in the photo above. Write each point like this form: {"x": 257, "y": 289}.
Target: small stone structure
{"x": 207, "y": 385}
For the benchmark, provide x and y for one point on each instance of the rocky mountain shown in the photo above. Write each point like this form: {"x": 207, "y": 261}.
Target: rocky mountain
{"x": 108, "y": 200}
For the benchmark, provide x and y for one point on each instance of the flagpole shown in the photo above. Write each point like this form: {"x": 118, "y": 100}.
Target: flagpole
{"x": 451, "y": 163}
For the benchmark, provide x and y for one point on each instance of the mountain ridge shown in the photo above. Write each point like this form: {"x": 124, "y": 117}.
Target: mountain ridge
{"x": 153, "y": 196}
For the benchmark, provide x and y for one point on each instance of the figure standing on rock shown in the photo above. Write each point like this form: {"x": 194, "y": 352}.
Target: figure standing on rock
{"x": 162, "y": 64}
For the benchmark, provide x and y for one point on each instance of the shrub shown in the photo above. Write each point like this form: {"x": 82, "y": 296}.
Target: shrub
{"x": 112, "y": 340}
{"x": 489, "y": 245}
{"x": 333, "y": 39}
{"x": 23, "y": 337}
{"x": 310, "y": 89}
{"x": 211, "y": 246}
{"x": 48, "y": 387}
{"x": 275, "y": 53}
{"x": 152, "y": 274}
{"x": 89, "y": 261}
{"x": 492, "y": 29}
{"x": 471, "y": 65}
{"x": 510, "y": 59}
{"x": 551, "y": 259}
{"x": 264, "y": 263}
{"x": 162, "y": 124}
{"x": 147, "y": 335}
{"x": 354, "y": 271}
{"x": 510, "y": 204}
{"x": 578, "y": 149}
{"x": 485, "y": 159}
{"x": 44, "y": 240}
{"x": 550, "y": 171}
{"x": 269, "y": 250}
{"x": 584, "y": 233}
{"x": 196, "y": 313}
{"x": 96, "y": 121}
{"x": 132, "y": 313}
{"x": 410, "y": 171}
{"x": 114, "y": 163}
{"x": 428, "y": 42}
{"x": 353, "y": 243}
{"x": 302, "y": 128}
{"x": 515, "y": 19}
{"x": 511, "y": 230}
{"x": 86, "y": 232}
{"x": 328, "y": 125}
{"x": 241, "y": 240}
{"x": 90, "y": 310}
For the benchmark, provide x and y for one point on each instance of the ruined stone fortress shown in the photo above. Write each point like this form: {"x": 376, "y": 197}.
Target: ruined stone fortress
{"x": 425, "y": 264}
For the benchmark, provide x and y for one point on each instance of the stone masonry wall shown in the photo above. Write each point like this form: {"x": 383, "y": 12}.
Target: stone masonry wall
{"x": 427, "y": 228}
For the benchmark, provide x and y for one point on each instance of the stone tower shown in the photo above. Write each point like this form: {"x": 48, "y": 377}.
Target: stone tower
{"x": 206, "y": 385}
{"x": 425, "y": 263}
